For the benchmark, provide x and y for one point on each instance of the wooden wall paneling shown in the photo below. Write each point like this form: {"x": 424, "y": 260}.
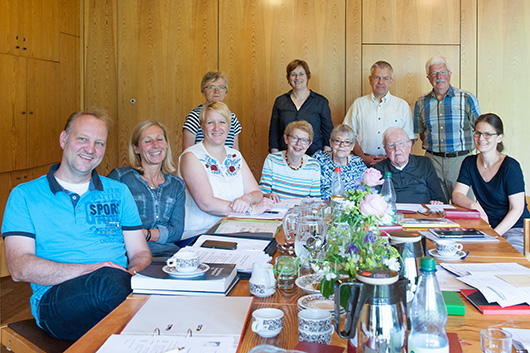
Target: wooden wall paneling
{"x": 100, "y": 74}
{"x": 411, "y": 22}
{"x": 353, "y": 52}
{"x": 44, "y": 123}
{"x": 70, "y": 69}
{"x": 258, "y": 39}
{"x": 408, "y": 61}
{"x": 468, "y": 46}
{"x": 13, "y": 112}
{"x": 5, "y": 189}
{"x": 178, "y": 45}
{"x": 41, "y": 21}
{"x": 70, "y": 17}
{"x": 503, "y": 74}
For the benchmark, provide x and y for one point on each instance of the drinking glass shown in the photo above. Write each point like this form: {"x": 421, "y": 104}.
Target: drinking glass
{"x": 494, "y": 340}
{"x": 285, "y": 270}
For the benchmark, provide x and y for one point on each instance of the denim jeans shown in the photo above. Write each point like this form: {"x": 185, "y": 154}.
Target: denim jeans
{"x": 68, "y": 310}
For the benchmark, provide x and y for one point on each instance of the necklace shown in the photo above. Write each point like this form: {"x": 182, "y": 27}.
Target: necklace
{"x": 153, "y": 185}
{"x": 289, "y": 164}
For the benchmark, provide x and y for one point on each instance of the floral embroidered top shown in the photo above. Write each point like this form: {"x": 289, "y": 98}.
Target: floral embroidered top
{"x": 226, "y": 181}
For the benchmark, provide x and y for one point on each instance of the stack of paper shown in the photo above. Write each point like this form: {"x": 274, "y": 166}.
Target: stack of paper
{"x": 498, "y": 282}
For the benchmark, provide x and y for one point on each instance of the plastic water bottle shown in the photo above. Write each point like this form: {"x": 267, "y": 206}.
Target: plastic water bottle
{"x": 389, "y": 194}
{"x": 428, "y": 314}
{"x": 337, "y": 185}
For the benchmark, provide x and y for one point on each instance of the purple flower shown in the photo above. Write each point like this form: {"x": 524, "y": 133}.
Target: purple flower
{"x": 369, "y": 237}
{"x": 351, "y": 248}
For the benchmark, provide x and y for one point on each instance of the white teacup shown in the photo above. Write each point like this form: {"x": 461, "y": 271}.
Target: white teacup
{"x": 267, "y": 322}
{"x": 318, "y": 337}
{"x": 448, "y": 247}
{"x": 314, "y": 321}
{"x": 184, "y": 261}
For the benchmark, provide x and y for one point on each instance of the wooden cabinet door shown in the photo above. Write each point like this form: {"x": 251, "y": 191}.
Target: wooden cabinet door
{"x": 41, "y": 29}
{"x": 12, "y": 112}
{"x": 10, "y": 26}
{"x": 44, "y": 123}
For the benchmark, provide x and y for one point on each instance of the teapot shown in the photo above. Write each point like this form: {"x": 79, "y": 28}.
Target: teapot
{"x": 375, "y": 313}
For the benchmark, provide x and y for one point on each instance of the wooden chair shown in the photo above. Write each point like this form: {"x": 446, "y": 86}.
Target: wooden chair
{"x": 526, "y": 240}
{"x": 26, "y": 337}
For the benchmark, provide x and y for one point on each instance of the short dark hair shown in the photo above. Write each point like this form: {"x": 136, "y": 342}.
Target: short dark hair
{"x": 495, "y": 121}
{"x": 294, "y": 64}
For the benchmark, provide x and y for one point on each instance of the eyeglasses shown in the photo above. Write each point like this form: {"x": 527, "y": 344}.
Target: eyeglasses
{"x": 486, "y": 135}
{"x": 303, "y": 141}
{"x": 399, "y": 144}
{"x": 220, "y": 88}
{"x": 436, "y": 73}
{"x": 384, "y": 78}
{"x": 339, "y": 142}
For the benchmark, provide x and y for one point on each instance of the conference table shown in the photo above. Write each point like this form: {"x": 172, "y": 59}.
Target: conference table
{"x": 467, "y": 327}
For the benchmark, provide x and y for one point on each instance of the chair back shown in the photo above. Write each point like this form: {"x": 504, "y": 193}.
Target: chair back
{"x": 526, "y": 240}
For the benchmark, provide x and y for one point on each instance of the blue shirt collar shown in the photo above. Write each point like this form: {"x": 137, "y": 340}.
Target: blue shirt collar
{"x": 55, "y": 187}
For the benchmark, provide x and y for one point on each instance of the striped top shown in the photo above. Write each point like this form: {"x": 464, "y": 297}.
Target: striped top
{"x": 279, "y": 178}
{"x": 193, "y": 125}
{"x": 447, "y": 124}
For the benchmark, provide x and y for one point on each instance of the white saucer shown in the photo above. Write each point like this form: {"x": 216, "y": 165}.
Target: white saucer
{"x": 456, "y": 256}
{"x": 309, "y": 283}
{"x": 317, "y": 301}
{"x": 201, "y": 269}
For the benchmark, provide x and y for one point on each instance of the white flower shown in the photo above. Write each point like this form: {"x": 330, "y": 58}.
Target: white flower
{"x": 392, "y": 264}
{"x": 331, "y": 276}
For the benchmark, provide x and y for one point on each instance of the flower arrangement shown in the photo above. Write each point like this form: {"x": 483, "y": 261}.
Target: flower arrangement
{"x": 354, "y": 240}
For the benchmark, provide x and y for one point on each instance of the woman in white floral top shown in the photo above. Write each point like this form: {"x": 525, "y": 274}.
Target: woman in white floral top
{"x": 218, "y": 180}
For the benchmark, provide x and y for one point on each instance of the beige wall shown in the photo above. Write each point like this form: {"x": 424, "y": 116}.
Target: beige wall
{"x": 156, "y": 52}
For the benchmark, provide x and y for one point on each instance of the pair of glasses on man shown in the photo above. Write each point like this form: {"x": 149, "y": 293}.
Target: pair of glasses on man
{"x": 303, "y": 141}
{"x": 436, "y": 73}
{"x": 346, "y": 143}
{"x": 220, "y": 88}
{"x": 486, "y": 135}
{"x": 399, "y": 144}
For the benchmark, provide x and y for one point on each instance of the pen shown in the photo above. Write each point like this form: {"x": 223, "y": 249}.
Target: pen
{"x": 272, "y": 212}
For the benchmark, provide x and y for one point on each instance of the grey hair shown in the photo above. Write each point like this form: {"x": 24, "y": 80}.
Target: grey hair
{"x": 436, "y": 60}
{"x": 382, "y": 65}
{"x": 391, "y": 130}
{"x": 342, "y": 129}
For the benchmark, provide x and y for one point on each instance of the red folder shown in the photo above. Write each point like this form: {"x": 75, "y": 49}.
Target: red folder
{"x": 462, "y": 213}
{"x": 477, "y": 299}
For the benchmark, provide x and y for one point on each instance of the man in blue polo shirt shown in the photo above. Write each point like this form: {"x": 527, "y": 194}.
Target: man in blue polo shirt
{"x": 76, "y": 236}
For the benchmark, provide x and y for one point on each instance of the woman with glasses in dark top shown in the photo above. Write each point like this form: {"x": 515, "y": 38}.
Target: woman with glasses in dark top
{"x": 300, "y": 103}
{"x": 292, "y": 173}
{"x": 497, "y": 181}
{"x": 352, "y": 167}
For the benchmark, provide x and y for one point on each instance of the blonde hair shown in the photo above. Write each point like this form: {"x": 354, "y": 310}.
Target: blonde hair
{"x": 300, "y": 125}
{"x": 218, "y": 107}
{"x": 135, "y": 160}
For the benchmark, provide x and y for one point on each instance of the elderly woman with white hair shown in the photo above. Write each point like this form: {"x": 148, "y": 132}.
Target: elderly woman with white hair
{"x": 352, "y": 167}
